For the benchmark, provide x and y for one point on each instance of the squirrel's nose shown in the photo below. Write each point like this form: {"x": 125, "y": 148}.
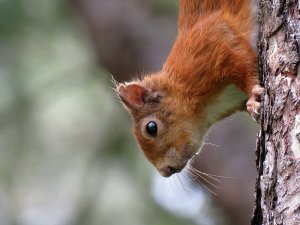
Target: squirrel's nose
{"x": 168, "y": 171}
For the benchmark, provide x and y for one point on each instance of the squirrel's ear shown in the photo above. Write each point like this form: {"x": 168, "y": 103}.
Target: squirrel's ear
{"x": 134, "y": 95}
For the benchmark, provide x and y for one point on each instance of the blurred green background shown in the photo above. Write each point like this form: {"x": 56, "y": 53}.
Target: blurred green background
{"x": 67, "y": 155}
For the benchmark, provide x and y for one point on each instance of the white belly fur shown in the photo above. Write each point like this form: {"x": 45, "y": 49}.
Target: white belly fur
{"x": 229, "y": 100}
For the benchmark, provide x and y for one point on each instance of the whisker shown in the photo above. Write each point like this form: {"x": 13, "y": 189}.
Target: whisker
{"x": 197, "y": 156}
{"x": 206, "y": 187}
{"x": 183, "y": 186}
{"x": 212, "y": 175}
{"x": 113, "y": 80}
{"x": 161, "y": 184}
{"x": 212, "y": 184}
{"x": 170, "y": 182}
{"x": 188, "y": 177}
{"x": 215, "y": 145}
{"x": 194, "y": 159}
{"x": 175, "y": 181}
{"x": 205, "y": 174}
{"x": 164, "y": 185}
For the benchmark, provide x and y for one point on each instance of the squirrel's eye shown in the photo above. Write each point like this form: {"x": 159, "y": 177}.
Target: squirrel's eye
{"x": 151, "y": 129}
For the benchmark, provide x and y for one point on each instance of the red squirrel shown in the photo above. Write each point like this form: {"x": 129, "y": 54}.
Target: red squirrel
{"x": 209, "y": 74}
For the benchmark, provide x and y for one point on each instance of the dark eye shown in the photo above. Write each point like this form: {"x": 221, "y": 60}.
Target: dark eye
{"x": 151, "y": 129}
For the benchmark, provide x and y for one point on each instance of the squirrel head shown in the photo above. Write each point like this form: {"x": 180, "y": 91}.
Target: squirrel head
{"x": 163, "y": 123}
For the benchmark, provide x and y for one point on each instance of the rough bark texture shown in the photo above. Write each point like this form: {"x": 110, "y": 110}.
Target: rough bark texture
{"x": 278, "y": 145}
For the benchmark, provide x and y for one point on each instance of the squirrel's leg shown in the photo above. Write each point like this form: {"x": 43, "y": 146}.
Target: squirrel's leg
{"x": 254, "y": 91}
{"x": 254, "y": 103}
{"x": 247, "y": 80}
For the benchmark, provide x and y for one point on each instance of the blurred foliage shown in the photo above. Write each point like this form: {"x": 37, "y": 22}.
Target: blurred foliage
{"x": 165, "y": 7}
{"x": 66, "y": 153}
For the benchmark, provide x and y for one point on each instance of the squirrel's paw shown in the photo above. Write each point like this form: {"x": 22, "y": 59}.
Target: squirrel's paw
{"x": 254, "y": 102}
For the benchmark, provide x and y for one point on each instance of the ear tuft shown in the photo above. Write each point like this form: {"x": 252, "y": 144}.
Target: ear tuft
{"x": 132, "y": 94}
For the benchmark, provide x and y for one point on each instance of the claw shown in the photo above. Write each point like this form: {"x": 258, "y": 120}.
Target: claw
{"x": 254, "y": 102}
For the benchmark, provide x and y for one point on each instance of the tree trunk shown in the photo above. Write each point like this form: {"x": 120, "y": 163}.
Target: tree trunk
{"x": 278, "y": 144}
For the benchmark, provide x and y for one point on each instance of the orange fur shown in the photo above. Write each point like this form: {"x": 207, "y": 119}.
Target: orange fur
{"x": 211, "y": 52}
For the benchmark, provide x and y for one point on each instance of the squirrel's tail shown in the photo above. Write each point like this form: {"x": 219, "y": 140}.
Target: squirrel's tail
{"x": 205, "y": 6}
{"x": 241, "y": 11}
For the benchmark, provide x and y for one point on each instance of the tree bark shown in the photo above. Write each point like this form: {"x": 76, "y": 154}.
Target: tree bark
{"x": 278, "y": 145}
